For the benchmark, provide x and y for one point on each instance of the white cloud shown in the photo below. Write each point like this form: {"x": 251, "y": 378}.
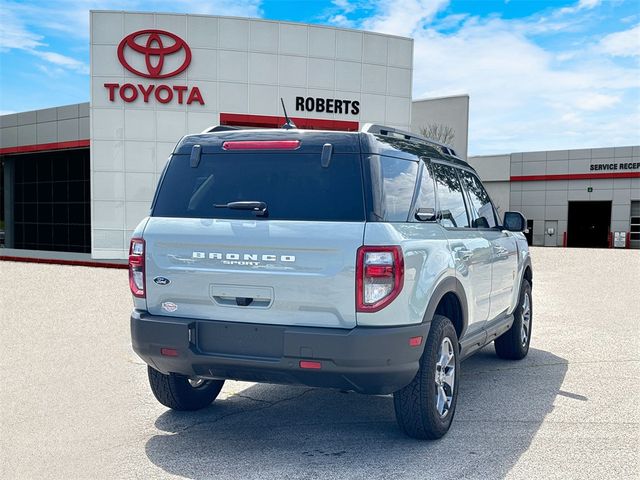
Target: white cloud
{"x": 581, "y": 5}
{"x": 589, "y": 4}
{"x": 51, "y": 71}
{"x": 403, "y": 17}
{"x": 25, "y": 26}
{"x": 341, "y": 21}
{"x": 622, "y": 44}
{"x": 236, "y": 8}
{"x": 522, "y": 95}
{"x": 62, "y": 61}
{"x": 519, "y": 93}
{"x": 452, "y": 21}
{"x": 344, "y": 5}
{"x": 597, "y": 101}
{"x": 13, "y": 33}
{"x": 71, "y": 17}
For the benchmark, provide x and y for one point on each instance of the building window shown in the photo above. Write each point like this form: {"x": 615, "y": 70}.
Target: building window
{"x": 634, "y": 238}
{"x": 52, "y": 203}
{"x": 1, "y": 203}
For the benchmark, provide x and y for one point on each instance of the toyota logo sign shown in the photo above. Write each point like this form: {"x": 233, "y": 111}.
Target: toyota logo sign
{"x": 154, "y": 51}
{"x": 162, "y": 54}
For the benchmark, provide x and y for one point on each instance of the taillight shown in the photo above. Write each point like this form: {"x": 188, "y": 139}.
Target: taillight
{"x": 136, "y": 267}
{"x": 379, "y": 277}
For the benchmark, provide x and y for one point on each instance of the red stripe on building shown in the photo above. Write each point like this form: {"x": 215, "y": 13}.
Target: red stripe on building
{"x": 573, "y": 176}
{"x": 269, "y": 121}
{"x": 41, "y": 147}
{"x": 59, "y": 261}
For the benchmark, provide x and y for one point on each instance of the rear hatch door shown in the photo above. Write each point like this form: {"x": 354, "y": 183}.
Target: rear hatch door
{"x": 293, "y": 264}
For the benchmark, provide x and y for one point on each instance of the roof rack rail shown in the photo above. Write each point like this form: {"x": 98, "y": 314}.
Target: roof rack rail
{"x": 220, "y": 128}
{"x": 397, "y": 133}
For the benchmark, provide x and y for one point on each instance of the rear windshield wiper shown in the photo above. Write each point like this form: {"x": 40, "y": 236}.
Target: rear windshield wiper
{"x": 259, "y": 208}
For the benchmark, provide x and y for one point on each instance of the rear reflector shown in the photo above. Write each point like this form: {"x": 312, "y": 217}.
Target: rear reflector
{"x": 378, "y": 271}
{"x": 309, "y": 364}
{"x": 261, "y": 145}
{"x": 415, "y": 341}
{"x": 169, "y": 352}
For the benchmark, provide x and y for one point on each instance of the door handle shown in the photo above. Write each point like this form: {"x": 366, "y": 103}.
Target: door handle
{"x": 464, "y": 254}
{"x": 501, "y": 251}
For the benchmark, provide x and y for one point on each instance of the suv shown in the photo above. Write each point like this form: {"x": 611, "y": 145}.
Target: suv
{"x": 368, "y": 261}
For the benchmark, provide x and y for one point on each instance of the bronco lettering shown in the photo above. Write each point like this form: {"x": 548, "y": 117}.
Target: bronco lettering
{"x": 247, "y": 257}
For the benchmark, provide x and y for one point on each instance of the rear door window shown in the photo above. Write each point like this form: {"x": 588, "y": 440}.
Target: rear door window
{"x": 452, "y": 211}
{"x": 399, "y": 183}
{"x": 294, "y": 186}
{"x": 427, "y": 193}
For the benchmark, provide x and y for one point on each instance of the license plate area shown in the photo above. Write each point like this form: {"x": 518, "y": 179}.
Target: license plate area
{"x": 238, "y": 339}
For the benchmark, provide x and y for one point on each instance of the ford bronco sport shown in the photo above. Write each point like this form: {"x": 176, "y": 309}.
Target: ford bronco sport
{"x": 369, "y": 261}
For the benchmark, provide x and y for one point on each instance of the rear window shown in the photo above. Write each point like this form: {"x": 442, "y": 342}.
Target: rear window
{"x": 294, "y": 186}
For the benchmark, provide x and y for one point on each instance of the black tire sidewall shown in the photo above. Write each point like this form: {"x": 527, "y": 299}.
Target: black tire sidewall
{"x": 415, "y": 404}
{"x": 509, "y": 345}
{"x": 526, "y": 289}
{"x": 517, "y": 319}
{"x": 195, "y": 398}
{"x": 175, "y": 391}
{"x": 441, "y": 328}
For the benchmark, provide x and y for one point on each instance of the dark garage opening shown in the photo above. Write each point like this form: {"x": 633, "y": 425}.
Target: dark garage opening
{"x": 529, "y": 232}
{"x": 52, "y": 202}
{"x": 589, "y": 224}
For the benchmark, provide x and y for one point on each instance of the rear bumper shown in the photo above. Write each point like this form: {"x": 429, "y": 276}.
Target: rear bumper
{"x": 364, "y": 359}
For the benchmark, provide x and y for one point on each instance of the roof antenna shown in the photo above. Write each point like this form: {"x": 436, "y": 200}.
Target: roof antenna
{"x": 289, "y": 124}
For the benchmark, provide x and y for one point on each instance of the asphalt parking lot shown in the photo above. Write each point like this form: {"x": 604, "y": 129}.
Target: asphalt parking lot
{"x": 74, "y": 399}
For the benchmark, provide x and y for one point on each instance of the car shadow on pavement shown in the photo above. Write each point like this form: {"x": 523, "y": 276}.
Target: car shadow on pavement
{"x": 275, "y": 431}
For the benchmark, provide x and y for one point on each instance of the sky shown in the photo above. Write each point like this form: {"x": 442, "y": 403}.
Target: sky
{"x": 541, "y": 75}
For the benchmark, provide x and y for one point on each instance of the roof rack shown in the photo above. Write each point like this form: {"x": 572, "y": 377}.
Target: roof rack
{"x": 403, "y": 134}
{"x": 220, "y": 128}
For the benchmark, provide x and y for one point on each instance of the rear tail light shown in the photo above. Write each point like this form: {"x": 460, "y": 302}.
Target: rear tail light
{"x": 136, "y": 267}
{"x": 379, "y": 277}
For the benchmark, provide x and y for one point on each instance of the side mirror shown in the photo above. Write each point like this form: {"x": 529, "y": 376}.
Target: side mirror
{"x": 514, "y": 222}
{"x": 425, "y": 214}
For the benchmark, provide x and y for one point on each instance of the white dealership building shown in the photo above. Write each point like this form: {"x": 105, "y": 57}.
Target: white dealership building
{"x": 79, "y": 178}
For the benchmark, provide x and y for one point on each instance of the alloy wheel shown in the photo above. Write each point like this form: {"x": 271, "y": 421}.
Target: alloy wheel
{"x": 526, "y": 319}
{"x": 445, "y": 377}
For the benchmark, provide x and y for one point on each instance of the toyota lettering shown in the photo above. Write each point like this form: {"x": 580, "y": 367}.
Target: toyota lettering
{"x": 155, "y": 54}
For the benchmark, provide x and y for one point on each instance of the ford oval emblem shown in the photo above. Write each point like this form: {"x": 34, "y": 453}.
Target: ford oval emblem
{"x": 169, "y": 306}
{"x": 162, "y": 281}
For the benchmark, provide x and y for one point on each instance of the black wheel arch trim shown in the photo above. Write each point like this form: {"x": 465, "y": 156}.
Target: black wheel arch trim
{"x": 527, "y": 265}
{"x": 448, "y": 285}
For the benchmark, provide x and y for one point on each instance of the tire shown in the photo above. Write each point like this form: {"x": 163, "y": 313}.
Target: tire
{"x": 514, "y": 343}
{"x": 176, "y": 392}
{"x": 416, "y": 405}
